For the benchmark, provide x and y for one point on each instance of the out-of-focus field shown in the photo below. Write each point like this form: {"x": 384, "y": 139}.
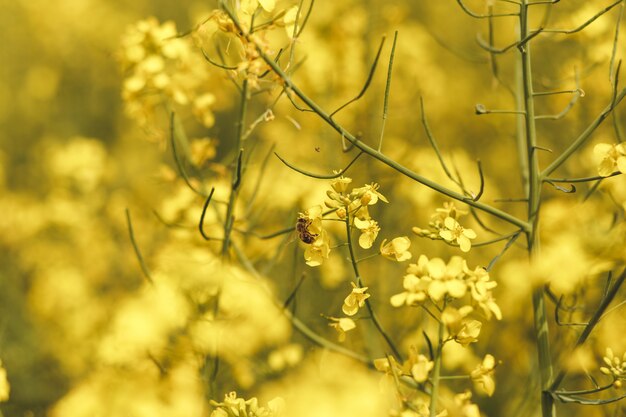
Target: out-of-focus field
{"x": 84, "y": 333}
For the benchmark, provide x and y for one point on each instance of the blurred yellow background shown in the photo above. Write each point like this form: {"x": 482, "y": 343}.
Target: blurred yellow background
{"x": 83, "y": 332}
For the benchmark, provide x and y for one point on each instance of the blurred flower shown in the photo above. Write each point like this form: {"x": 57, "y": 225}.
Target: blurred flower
{"x": 285, "y": 357}
{"x": 234, "y": 406}
{"x": 468, "y": 409}
{"x": 612, "y": 158}
{"x": 482, "y": 375}
{"x": 5, "y": 388}
{"x": 480, "y": 288}
{"x": 342, "y": 325}
{"x": 289, "y": 20}
{"x": 397, "y": 249}
{"x": 355, "y": 300}
{"x": 463, "y": 331}
{"x": 421, "y": 368}
{"x": 616, "y": 367}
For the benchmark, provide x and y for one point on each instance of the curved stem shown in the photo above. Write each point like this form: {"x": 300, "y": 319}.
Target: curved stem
{"x": 237, "y": 171}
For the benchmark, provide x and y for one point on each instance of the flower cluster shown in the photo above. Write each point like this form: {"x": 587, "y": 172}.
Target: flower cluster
{"x": 355, "y": 205}
{"x": 444, "y": 225}
{"x": 435, "y": 281}
{"x": 351, "y": 206}
{"x": 232, "y": 406}
{"x": 163, "y": 68}
{"x": 249, "y": 65}
{"x": 611, "y": 158}
{"x": 615, "y": 367}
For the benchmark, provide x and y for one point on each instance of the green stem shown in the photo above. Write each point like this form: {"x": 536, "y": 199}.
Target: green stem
{"x": 237, "y": 171}
{"x": 436, "y": 371}
{"x": 359, "y": 283}
{"x": 534, "y": 202}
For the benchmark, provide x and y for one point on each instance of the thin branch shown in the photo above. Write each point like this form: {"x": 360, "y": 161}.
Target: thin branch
{"x": 584, "y": 179}
{"x": 595, "y": 319}
{"x": 510, "y": 242}
{"x": 204, "y": 209}
{"x": 292, "y": 296}
{"x": 387, "y": 90}
{"x": 217, "y": 64}
{"x": 142, "y": 263}
{"x": 566, "y": 110}
{"x": 587, "y": 23}
{"x": 179, "y": 163}
{"x": 319, "y": 176}
{"x": 482, "y": 16}
{"x": 584, "y": 135}
{"x": 518, "y": 44}
{"x": 368, "y": 81}
{"x": 434, "y": 145}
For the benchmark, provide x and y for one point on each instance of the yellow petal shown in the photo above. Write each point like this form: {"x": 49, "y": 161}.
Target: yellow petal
{"x": 437, "y": 290}
{"x": 290, "y": 20}
{"x": 606, "y": 167}
{"x": 464, "y": 243}
{"x": 398, "y": 300}
{"x": 469, "y": 233}
{"x": 450, "y": 223}
{"x": 601, "y": 149}
{"x": 621, "y": 164}
{"x": 456, "y": 288}
{"x": 268, "y": 5}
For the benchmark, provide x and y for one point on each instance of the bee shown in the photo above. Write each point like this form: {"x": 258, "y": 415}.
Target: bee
{"x": 302, "y": 227}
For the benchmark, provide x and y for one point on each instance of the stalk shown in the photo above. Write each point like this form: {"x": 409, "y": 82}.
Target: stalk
{"x": 534, "y": 203}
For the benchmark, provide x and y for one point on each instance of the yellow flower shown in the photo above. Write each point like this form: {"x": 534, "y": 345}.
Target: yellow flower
{"x": 446, "y": 279}
{"x": 5, "y": 388}
{"x": 448, "y": 210}
{"x": 482, "y": 375}
{"x": 480, "y": 290}
{"x": 368, "y": 194}
{"x": 612, "y": 158}
{"x": 468, "y": 409}
{"x": 355, "y": 300}
{"x": 616, "y": 367}
{"x": 340, "y": 184}
{"x": 463, "y": 331}
{"x": 234, "y": 406}
{"x": 342, "y": 325}
{"x": 316, "y": 252}
{"x": 369, "y": 231}
{"x": 455, "y": 232}
{"x": 421, "y": 368}
{"x": 397, "y": 249}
